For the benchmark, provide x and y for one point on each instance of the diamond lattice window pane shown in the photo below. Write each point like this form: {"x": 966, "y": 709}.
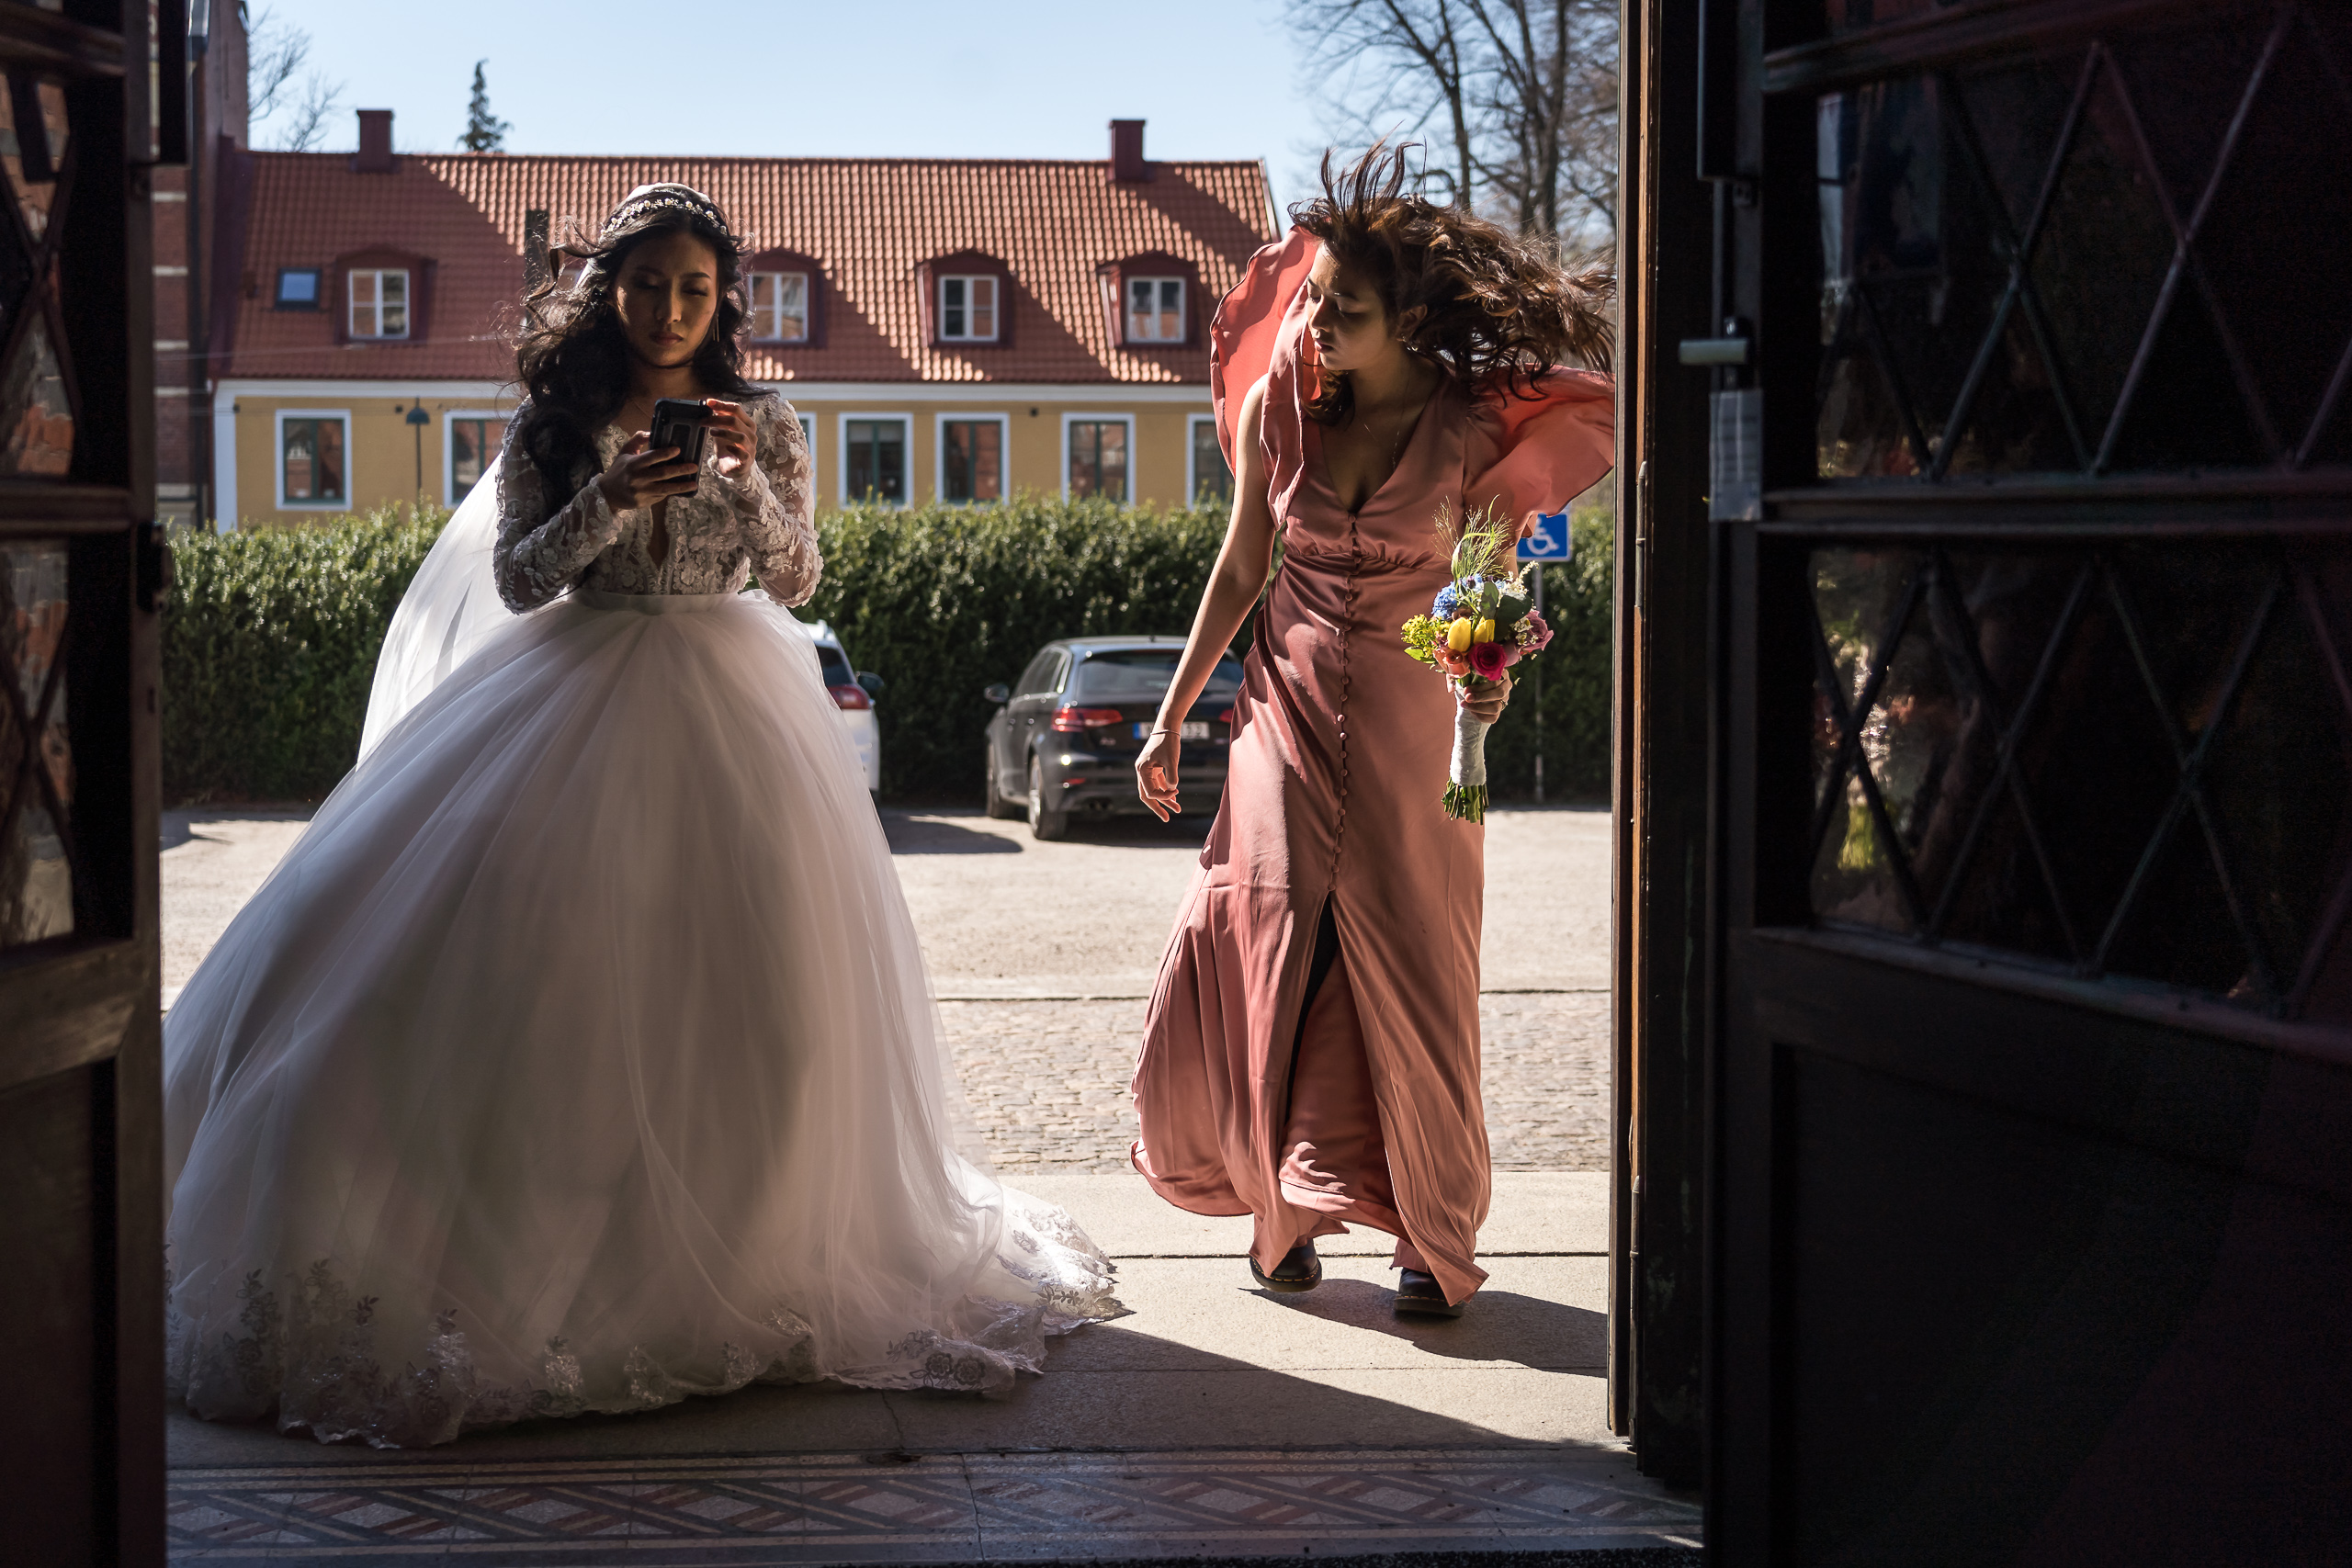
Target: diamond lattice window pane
{"x": 2290, "y": 178}
{"x": 36, "y": 750}
{"x": 2133, "y": 761}
{"x": 2098, "y": 259}
{"x": 36, "y": 418}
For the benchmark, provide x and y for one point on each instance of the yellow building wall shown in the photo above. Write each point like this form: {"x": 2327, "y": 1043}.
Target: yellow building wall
{"x": 383, "y": 461}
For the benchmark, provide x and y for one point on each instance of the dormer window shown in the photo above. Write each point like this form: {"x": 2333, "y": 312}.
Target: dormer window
{"x": 1148, "y": 300}
{"x": 968, "y": 307}
{"x": 297, "y": 288}
{"x": 379, "y": 302}
{"x": 780, "y": 307}
{"x": 1155, "y": 309}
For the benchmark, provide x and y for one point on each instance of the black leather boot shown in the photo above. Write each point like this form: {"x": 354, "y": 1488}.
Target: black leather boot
{"x": 1300, "y": 1270}
{"x": 1418, "y": 1295}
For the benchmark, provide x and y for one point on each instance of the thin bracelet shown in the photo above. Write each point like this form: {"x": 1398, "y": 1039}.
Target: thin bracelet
{"x": 1160, "y": 729}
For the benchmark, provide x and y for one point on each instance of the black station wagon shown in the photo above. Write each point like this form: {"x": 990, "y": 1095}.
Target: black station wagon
{"x": 1063, "y": 742}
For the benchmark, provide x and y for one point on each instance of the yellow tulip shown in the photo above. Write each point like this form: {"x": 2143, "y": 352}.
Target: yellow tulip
{"x": 1457, "y": 635}
{"x": 1482, "y": 632}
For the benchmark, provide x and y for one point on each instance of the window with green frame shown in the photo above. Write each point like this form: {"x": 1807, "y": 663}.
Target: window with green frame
{"x": 1212, "y": 479}
{"x": 1098, "y": 458}
{"x": 877, "y": 459}
{"x": 972, "y": 453}
{"x": 313, "y": 461}
{"x": 473, "y": 447}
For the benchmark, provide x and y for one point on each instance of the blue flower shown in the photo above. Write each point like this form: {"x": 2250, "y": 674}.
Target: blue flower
{"x": 1446, "y": 601}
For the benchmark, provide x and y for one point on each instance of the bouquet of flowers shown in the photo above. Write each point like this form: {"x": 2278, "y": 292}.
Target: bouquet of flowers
{"x": 1479, "y": 626}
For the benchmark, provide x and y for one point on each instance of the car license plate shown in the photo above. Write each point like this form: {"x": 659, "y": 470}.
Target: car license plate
{"x": 1191, "y": 729}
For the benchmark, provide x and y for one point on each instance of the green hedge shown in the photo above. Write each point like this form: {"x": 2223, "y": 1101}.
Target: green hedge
{"x": 270, "y": 647}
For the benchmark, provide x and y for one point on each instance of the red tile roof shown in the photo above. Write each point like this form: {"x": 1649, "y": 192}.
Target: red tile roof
{"x": 869, "y": 222}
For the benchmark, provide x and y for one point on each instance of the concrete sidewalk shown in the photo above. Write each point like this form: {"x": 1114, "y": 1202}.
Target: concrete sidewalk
{"x": 1217, "y": 1420}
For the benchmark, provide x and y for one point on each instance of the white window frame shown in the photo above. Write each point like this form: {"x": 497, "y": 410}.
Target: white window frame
{"x": 1193, "y": 423}
{"x": 841, "y": 422}
{"x": 278, "y": 460}
{"x": 809, "y": 439}
{"x": 939, "y": 423}
{"x": 1184, "y": 309}
{"x": 451, "y": 494}
{"x": 351, "y": 303}
{"x": 751, "y": 291}
{"x": 1077, "y": 418}
{"x": 995, "y": 282}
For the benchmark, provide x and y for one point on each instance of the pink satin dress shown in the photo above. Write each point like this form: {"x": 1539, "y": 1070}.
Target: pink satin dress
{"x": 1369, "y": 1112}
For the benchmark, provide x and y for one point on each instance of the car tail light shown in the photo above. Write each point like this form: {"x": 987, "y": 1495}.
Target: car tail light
{"x": 1070, "y": 721}
{"x": 1222, "y": 716}
{"x": 852, "y": 698}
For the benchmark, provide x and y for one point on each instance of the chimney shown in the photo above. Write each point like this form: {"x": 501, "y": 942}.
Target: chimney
{"x": 1126, "y": 151}
{"x": 375, "y": 142}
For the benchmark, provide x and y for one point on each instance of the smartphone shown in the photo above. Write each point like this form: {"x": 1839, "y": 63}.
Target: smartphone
{"x": 678, "y": 421}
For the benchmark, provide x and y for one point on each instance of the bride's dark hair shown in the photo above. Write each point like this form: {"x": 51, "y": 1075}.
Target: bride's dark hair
{"x": 1499, "y": 306}
{"x": 571, "y": 356}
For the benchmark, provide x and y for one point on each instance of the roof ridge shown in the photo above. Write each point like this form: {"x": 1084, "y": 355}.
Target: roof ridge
{"x": 493, "y": 160}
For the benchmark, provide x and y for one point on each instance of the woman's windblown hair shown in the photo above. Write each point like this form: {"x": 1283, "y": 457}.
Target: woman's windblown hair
{"x": 1498, "y": 309}
{"x": 571, "y": 356}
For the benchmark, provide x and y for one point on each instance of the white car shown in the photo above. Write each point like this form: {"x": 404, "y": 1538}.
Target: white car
{"x": 854, "y": 691}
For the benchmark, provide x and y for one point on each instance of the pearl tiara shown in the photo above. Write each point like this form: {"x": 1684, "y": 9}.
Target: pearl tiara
{"x": 655, "y": 199}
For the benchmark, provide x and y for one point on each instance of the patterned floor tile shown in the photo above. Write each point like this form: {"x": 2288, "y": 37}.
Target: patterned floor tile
{"x": 733, "y": 1510}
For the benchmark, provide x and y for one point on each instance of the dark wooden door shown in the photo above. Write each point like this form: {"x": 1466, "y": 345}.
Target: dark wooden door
{"x": 82, "y": 571}
{"x": 2028, "y": 491}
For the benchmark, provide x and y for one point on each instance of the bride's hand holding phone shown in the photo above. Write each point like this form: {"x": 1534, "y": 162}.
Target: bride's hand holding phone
{"x": 730, "y": 430}
{"x": 641, "y": 475}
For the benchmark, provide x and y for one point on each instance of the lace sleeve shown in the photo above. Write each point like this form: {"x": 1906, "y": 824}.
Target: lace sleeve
{"x": 774, "y": 505}
{"x": 535, "y": 561}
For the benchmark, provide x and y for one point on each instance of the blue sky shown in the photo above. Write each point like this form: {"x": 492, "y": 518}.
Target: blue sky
{"x": 1036, "y": 78}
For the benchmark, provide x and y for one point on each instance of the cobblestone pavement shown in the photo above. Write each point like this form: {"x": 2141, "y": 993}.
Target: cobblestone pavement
{"x": 1047, "y": 1080}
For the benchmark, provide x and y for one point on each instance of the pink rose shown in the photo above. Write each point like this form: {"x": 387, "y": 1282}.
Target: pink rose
{"x": 1532, "y": 633}
{"x": 1489, "y": 659}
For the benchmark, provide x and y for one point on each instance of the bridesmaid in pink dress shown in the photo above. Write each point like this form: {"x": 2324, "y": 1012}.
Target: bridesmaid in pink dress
{"x": 1311, "y": 1051}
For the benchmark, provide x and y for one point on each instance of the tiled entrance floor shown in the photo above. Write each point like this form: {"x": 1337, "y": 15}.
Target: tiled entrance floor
{"x": 1216, "y": 1421}
{"x": 949, "y": 1508}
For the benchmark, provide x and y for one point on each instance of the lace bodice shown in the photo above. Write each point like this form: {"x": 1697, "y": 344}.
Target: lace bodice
{"x": 756, "y": 520}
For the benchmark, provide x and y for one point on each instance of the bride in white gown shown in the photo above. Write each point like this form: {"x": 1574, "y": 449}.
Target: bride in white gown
{"x": 580, "y": 1057}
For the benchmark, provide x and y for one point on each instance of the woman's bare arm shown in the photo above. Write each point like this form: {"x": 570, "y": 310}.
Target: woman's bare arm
{"x": 1239, "y": 576}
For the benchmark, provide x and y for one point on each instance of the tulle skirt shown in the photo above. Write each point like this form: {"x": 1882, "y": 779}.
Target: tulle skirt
{"x": 580, "y": 1056}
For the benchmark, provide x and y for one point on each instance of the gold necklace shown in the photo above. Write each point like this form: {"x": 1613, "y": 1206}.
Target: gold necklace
{"x": 1396, "y": 445}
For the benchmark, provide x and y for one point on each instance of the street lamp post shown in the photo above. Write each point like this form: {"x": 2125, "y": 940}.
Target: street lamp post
{"x": 418, "y": 418}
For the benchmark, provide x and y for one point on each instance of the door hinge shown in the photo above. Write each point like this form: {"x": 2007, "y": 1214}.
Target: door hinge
{"x": 1642, "y": 538}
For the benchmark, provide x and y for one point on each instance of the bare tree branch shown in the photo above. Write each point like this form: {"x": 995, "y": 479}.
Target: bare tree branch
{"x": 276, "y": 54}
{"x": 1412, "y": 52}
{"x": 274, "y": 51}
{"x": 1527, "y": 88}
{"x": 306, "y": 124}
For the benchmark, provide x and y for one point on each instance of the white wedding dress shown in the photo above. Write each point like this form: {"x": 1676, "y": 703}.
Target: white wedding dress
{"x": 580, "y": 1056}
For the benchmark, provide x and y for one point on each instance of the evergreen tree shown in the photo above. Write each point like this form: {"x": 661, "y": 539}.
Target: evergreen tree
{"x": 483, "y": 134}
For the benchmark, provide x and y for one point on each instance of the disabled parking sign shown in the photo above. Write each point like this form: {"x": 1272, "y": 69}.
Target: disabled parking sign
{"x": 1548, "y": 541}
